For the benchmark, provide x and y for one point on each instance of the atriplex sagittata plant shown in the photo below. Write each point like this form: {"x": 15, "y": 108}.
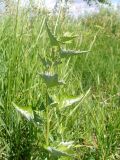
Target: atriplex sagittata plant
{"x": 54, "y": 106}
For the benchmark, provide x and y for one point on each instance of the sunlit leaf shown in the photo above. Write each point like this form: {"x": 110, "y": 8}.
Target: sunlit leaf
{"x": 71, "y": 101}
{"x": 76, "y": 107}
{"x": 67, "y": 102}
{"x": 53, "y": 39}
{"x": 51, "y": 80}
{"x": 67, "y": 145}
{"x": 27, "y": 112}
{"x": 66, "y": 53}
{"x": 58, "y": 153}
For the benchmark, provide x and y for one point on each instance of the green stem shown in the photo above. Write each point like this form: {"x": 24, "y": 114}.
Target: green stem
{"x": 47, "y": 119}
{"x": 16, "y": 23}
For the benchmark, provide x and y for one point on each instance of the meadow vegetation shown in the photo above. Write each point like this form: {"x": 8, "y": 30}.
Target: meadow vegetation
{"x": 42, "y": 118}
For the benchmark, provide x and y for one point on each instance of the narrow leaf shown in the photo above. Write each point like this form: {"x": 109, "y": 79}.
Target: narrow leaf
{"x": 76, "y": 107}
{"x": 53, "y": 39}
{"x": 66, "y": 53}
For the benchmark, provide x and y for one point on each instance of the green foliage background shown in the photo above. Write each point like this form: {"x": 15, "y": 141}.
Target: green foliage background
{"x": 95, "y": 125}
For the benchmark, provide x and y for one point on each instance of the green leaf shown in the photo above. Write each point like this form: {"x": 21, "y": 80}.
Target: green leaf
{"x": 65, "y": 146}
{"x": 67, "y": 53}
{"x": 51, "y": 80}
{"x": 71, "y": 101}
{"x": 53, "y": 39}
{"x": 76, "y": 107}
{"x": 63, "y": 103}
{"x": 58, "y": 153}
{"x": 27, "y": 112}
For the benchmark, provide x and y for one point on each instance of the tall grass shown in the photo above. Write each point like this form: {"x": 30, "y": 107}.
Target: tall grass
{"x": 95, "y": 125}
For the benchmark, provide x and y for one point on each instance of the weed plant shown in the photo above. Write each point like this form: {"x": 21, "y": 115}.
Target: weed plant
{"x": 44, "y": 118}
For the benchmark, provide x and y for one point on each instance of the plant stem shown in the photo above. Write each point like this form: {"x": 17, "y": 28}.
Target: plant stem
{"x": 16, "y": 22}
{"x": 47, "y": 119}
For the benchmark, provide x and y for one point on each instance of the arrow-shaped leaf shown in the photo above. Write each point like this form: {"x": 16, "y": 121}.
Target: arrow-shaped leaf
{"x": 27, "y": 112}
{"x": 51, "y": 80}
{"x": 63, "y": 103}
